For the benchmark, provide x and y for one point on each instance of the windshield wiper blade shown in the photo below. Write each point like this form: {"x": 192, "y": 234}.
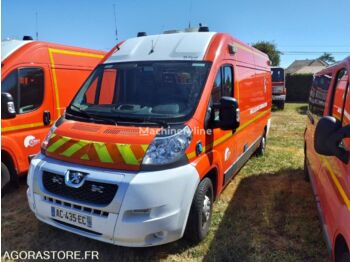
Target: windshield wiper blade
{"x": 93, "y": 117}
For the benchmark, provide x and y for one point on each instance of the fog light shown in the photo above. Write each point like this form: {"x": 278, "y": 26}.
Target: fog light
{"x": 160, "y": 234}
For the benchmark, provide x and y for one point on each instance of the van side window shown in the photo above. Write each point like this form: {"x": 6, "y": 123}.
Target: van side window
{"x": 227, "y": 81}
{"x": 339, "y": 94}
{"x": 318, "y": 94}
{"x": 346, "y": 118}
{"x": 223, "y": 86}
{"x": 26, "y": 85}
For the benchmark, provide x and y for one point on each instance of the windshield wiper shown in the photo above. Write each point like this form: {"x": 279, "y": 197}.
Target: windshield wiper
{"x": 92, "y": 117}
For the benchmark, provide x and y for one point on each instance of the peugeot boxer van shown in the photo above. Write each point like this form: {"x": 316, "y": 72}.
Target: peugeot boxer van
{"x": 152, "y": 138}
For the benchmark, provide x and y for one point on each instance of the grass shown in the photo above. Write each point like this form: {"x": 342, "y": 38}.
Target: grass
{"x": 266, "y": 213}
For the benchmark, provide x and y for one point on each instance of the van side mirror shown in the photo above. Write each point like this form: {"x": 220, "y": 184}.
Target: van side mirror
{"x": 8, "y": 110}
{"x": 229, "y": 115}
{"x": 328, "y": 138}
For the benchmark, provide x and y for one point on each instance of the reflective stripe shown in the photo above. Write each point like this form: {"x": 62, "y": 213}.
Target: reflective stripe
{"x": 336, "y": 182}
{"x": 19, "y": 127}
{"x": 57, "y": 144}
{"x": 54, "y": 76}
{"x": 102, "y": 152}
{"x": 85, "y": 157}
{"x": 227, "y": 136}
{"x": 74, "y": 148}
{"x": 127, "y": 154}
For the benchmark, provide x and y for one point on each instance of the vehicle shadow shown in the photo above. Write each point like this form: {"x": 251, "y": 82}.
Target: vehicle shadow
{"x": 271, "y": 217}
{"x": 302, "y": 110}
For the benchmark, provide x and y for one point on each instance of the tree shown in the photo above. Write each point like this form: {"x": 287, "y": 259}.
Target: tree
{"x": 327, "y": 57}
{"x": 270, "y": 49}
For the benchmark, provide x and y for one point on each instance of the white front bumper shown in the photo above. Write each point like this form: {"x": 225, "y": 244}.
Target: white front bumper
{"x": 149, "y": 208}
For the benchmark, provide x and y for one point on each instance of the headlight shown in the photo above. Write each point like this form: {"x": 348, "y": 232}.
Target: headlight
{"x": 47, "y": 138}
{"x": 278, "y": 89}
{"x": 168, "y": 149}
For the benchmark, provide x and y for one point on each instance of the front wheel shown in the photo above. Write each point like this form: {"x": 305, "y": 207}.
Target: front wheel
{"x": 5, "y": 175}
{"x": 201, "y": 211}
{"x": 344, "y": 257}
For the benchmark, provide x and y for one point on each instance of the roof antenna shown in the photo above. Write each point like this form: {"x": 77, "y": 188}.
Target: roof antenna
{"x": 190, "y": 15}
{"x": 36, "y": 26}
{"x": 115, "y": 22}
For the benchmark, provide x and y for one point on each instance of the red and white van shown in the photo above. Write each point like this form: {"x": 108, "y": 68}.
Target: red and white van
{"x": 38, "y": 80}
{"x": 152, "y": 138}
{"x": 327, "y": 152}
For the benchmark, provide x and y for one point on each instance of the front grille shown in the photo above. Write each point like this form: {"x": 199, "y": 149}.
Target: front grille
{"x": 87, "y": 193}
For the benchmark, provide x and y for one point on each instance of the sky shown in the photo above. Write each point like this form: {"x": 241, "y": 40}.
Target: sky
{"x": 301, "y": 29}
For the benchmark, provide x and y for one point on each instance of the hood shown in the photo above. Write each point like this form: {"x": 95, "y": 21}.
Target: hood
{"x": 117, "y": 147}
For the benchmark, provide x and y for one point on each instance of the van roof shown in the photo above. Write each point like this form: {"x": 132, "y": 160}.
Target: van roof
{"x": 171, "y": 46}
{"x": 10, "y": 46}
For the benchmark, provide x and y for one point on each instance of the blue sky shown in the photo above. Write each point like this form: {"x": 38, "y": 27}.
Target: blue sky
{"x": 295, "y": 26}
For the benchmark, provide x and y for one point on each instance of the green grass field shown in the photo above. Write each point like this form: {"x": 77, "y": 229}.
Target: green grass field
{"x": 266, "y": 213}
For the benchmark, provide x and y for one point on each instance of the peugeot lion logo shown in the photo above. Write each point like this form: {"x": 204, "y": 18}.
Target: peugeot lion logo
{"x": 74, "y": 178}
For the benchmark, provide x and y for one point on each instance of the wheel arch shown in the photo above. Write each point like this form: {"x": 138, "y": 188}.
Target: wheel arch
{"x": 340, "y": 247}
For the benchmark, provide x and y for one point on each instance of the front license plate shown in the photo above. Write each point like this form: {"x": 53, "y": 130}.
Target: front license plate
{"x": 71, "y": 217}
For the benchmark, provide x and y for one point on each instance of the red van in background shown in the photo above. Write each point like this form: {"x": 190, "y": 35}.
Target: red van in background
{"x": 38, "y": 80}
{"x": 279, "y": 91}
{"x": 327, "y": 151}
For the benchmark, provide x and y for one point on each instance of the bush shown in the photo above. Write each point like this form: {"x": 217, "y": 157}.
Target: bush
{"x": 298, "y": 87}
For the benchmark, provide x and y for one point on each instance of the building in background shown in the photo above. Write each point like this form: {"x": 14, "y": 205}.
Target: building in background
{"x": 307, "y": 66}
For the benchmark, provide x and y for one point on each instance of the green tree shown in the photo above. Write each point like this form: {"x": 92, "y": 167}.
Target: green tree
{"x": 270, "y": 49}
{"x": 327, "y": 57}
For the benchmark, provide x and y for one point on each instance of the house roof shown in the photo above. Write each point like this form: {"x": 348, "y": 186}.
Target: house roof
{"x": 307, "y": 66}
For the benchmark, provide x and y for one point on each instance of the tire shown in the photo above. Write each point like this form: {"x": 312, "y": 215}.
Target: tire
{"x": 281, "y": 105}
{"x": 199, "y": 219}
{"x": 345, "y": 257}
{"x": 5, "y": 177}
{"x": 262, "y": 147}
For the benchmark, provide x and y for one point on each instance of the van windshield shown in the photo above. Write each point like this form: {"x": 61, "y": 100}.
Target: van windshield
{"x": 168, "y": 91}
{"x": 277, "y": 74}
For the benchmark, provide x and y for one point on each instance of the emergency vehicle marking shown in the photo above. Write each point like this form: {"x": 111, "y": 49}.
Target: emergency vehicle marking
{"x": 257, "y": 108}
{"x": 30, "y": 141}
{"x": 53, "y": 51}
{"x": 130, "y": 154}
{"x": 336, "y": 182}
{"x": 222, "y": 139}
{"x": 19, "y": 127}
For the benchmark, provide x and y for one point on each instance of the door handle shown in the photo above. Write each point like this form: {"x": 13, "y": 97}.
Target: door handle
{"x": 46, "y": 118}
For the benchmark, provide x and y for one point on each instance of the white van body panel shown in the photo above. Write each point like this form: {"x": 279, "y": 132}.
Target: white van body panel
{"x": 179, "y": 46}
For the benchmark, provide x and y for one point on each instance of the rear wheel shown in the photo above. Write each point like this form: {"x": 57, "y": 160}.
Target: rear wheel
{"x": 262, "y": 147}
{"x": 201, "y": 210}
